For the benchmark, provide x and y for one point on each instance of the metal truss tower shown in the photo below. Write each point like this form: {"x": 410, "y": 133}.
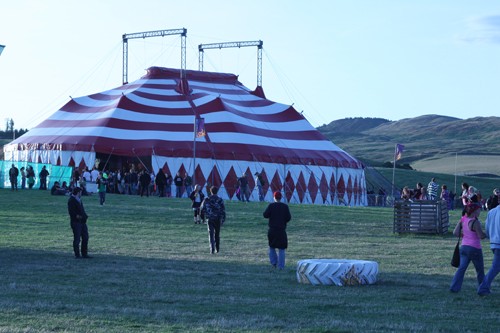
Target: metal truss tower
{"x": 258, "y": 43}
{"x": 157, "y": 33}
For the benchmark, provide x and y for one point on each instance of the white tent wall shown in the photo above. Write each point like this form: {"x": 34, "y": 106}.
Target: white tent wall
{"x": 51, "y": 156}
{"x": 300, "y": 176}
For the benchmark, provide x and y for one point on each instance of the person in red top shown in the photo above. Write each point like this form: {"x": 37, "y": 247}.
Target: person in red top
{"x": 470, "y": 250}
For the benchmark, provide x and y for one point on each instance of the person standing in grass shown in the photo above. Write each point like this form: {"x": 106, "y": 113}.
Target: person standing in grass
{"x": 43, "y": 178}
{"x": 101, "y": 182}
{"x": 197, "y": 198}
{"x": 470, "y": 250}
{"x": 23, "y": 178}
{"x": 493, "y": 233}
{"x": 13, "y": 174}
{"x": 78, "y": 219}
{"x": 213, "y": 209}
{"x": 279, "y": 215}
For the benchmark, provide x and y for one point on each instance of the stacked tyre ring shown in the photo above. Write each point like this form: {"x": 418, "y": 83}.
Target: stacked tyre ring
{"x": 340, "y": 272}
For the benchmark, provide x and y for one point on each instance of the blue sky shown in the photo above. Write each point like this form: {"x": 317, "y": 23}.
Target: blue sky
{"x": 332, "y": 59}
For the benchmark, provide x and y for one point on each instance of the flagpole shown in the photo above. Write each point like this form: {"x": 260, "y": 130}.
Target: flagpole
{"x": 194, "y": 151}
{"x": 456, "y": 157}
{"x": 394, "y": 171}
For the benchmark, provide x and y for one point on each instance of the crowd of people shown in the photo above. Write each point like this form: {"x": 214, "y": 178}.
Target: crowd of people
{"x": 430, "y": 192}
{"x": 27, "y": 177}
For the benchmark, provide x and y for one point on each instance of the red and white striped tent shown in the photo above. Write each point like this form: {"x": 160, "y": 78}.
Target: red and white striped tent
{"x": 154, "y": 117}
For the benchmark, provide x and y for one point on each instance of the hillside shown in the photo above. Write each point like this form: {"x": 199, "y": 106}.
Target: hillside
{"x": 427, "y": 140}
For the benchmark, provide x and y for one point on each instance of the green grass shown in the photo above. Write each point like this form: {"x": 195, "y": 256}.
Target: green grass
{"x": 411, "y": 177}
{"x": 152, "y": 272}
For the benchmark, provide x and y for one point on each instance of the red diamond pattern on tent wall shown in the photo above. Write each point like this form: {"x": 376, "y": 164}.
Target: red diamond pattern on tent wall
{"x": 199, "y": 178}
{"x": 214, "y": 178}
{"x": 166, "y": 169}
{"x": 265, "y": 186}
{"x": 230, "y": 182}
{"x": 289, "y": 186}
{"x": 341, "y": 188}
{"x": 301, "y": 187}
{"x": 333, "y": 188}
{"x": 356, "y": 190}
{"x": 349, "y": 190}
{"x": 323, "y": 188}
{"x": 251, "y": 182}
{"x": 312, "y": 187}
{"x": 182, "y": 172}
{"x": 276, "y": 184}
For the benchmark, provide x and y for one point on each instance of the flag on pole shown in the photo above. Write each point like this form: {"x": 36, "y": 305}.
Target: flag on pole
{"x": 200, "y": 127}
{"x": 1, "y": 48}
{"x": 399, "y": 151}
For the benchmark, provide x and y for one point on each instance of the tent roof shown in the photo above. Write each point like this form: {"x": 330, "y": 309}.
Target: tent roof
{"x": 156, "y": 114}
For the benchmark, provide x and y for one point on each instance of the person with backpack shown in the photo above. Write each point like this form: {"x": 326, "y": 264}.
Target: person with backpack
{"x": 214, "y": 211}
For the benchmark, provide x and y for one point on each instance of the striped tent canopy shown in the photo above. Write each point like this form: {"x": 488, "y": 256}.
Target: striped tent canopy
{"x": 203, "y": 123}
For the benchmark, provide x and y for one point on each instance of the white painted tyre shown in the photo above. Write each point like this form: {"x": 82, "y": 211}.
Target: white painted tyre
{"x": 340, "y": 272}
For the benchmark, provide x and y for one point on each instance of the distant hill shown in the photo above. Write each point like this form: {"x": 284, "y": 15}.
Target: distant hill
{"x": 426, "y": 138}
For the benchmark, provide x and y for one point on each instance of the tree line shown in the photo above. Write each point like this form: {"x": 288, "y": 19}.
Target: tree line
{"x": 10, "y": 131}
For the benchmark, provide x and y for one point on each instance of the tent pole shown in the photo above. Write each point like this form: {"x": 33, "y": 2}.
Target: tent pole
{"x": 109, "y": 156}
{"x": 194, "y": 151}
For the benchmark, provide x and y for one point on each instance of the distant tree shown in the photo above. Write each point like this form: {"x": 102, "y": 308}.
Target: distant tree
{"x": 9, "y": 125}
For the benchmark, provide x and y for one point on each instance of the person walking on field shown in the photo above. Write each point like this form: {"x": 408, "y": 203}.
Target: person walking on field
{"x": 470, "y": 250}
{"x": 78, "y": 219}
{"x": 493, "y": 233}
{"x": 279, "y": 215}
{"x": 197, "y": 198}
{"x": 102, "y": 182}
{"x": 213, "y": 209}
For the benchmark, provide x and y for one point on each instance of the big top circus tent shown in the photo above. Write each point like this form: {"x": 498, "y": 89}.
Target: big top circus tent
{"x": 206, "y": 124}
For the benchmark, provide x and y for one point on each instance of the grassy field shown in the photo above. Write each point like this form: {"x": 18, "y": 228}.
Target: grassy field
{"x": 465, "y": 164}
{"x": 411, "y": 177}
{"x": 152, "y": 272}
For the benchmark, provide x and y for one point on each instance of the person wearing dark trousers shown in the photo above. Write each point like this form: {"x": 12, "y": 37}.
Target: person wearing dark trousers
{"x": 43, "y": 178}
{"x": 279, "y": 215}
{"x": 144, "y": 181}
{"x": 213, "y": 209}
{"x": 179, "y": 182}
{"x": 13, "y": 174}
{"x": 78, "y": 219}
{"x": 197, "y": 198}
{"x": 161, "y": 181}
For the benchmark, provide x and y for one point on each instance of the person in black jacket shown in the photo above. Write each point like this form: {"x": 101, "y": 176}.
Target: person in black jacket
{"x": 43, "y": 178}
{"x": 161, "y": 181}
{"x": 213, "y": 209}
{"x": 279, "y": 215}
{"x": 78, "y": 219}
